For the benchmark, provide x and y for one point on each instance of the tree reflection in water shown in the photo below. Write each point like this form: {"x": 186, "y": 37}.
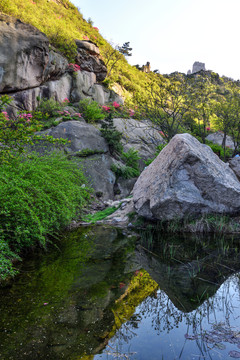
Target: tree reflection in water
{"x": 197, "y": 311}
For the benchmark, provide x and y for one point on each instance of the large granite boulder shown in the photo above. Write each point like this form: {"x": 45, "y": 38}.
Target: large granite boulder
{"x": 186, "y": 180}
{"x": 82, "y": 136}
{"x": 25, "y": 61}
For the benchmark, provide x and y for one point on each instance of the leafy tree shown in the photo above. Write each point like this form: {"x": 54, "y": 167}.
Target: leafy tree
{"x": 202, "y": 95}
{"x": 113, "y": 54}
{"x": 227, "y": 111}
{"x": 125, "y": 49}
{"x": 166, "y": 104}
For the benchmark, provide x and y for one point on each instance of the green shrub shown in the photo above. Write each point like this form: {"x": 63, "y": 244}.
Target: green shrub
{"x": 217, "y": 149}
{"x": 91, "y": 111}
{"x": 50, "y": 107}
{"x": 126, "y": 172}
{"x": 112, "y": 135}
{"x": 38, "y": 196}
{"x": 131, "y": 158}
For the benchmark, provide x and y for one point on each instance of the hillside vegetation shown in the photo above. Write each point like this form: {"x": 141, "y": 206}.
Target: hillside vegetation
{"x": 199, "y": 103}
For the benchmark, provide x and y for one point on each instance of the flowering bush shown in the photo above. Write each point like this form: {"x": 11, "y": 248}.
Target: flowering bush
{"x": 85, "y": 37}
{"x": 116, "y": 105}
{"x": 67, "y": 116}
{"x": 95, "y": 28}
{"x": 106, "y": 108}
{"x": 74, "y": 67}
{"x": 131, "y": 112}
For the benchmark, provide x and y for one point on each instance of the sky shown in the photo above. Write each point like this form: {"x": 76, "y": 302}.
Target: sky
{"x": 172, "y": 34}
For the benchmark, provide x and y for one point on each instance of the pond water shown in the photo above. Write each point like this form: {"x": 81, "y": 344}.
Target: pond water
{"x": 102, "y": 295}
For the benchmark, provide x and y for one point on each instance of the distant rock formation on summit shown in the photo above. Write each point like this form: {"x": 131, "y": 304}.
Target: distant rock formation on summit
{"x": 197, "y": 66}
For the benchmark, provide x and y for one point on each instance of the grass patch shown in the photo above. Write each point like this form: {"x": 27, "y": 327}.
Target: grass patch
{"x": 100, "y": 215}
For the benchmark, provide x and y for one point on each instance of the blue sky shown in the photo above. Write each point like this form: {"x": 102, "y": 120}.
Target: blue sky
{"x": 172, "y": 34}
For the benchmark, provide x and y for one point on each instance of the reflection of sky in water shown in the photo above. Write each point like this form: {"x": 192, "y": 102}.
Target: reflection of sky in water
{"x": 158, "y": 329}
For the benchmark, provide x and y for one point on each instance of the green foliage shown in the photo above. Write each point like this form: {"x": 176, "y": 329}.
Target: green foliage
{"x": 91, "y": 110}
{"x": 50, "y": 107}
{"x": 100, "y": 215}
{"x": 218, "y": 149}
{"x": 126, "y": 172}
{"x": 111, "y": 135}
{"x": 38, "y": 196}
{"x": 66, "y": 46}
{"x": 131, "y": 158}
{"x": 131, "y": 169}
{"x": 6, "y": 257}
{"x": 87, "y": 152}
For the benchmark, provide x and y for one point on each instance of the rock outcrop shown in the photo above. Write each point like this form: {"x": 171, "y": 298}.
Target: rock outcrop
{"x": 186, "y": 180}
{"x": 198, "y": 66}
{"x": 30, "y": 70}
{"x": 139, "y": 135}
{"x": 88, "y": 57}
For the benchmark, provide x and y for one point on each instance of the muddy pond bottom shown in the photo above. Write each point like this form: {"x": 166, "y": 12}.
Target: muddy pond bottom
{"x": 103, "y": 295}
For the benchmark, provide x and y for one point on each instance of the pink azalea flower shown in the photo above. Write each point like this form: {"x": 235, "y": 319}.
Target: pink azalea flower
{"x": 95, "y": 28}
{"x": 66, "y": 100}
{"x": 208, "y": 128}
{"x": 85, "y": 37}
{"x": 116, "y": 105}
{"x": 106, "y": 108}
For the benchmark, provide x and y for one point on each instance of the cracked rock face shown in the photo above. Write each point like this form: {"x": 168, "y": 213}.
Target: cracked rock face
{"x": 186, "y": 179}
{"x": 23, "y": 55}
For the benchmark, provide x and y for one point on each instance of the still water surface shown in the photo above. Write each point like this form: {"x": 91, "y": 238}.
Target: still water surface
{"x": 102, "y": 296}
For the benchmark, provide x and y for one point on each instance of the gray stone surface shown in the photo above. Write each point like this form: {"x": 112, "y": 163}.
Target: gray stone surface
{"x": 23, "y": 55}
{"x": 235, "y": 166}
{"x": 97, "y": 169}
{"x": 88, "y": 57}
{"x": 56, "y": 89}
{"x": 217, "y": 138}
{"x": 139, "y": 135}
{"x": 81, "y": 135}
{"x": 186, "y": 179}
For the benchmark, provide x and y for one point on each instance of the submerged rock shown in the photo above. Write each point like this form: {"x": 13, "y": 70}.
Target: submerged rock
{"x": 186, "y": 179}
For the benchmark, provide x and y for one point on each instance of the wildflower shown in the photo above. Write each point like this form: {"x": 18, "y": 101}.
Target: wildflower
{"x": 131, "y": 112}
{"x": 74, "y": 67}
{"x": 121, "y": 285}
{"x": 85, "y": 37}
{"x": 116, "y": 105}
{"x": 66, "y": 100}
{"x": 161, "y": 133}
{"x": 106, "y": 108}
{"x": 5, "y": 115}
{"x": 208, "y": 128}
{"x": 77, "y": 114}
{"x": 95, "y": 28}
